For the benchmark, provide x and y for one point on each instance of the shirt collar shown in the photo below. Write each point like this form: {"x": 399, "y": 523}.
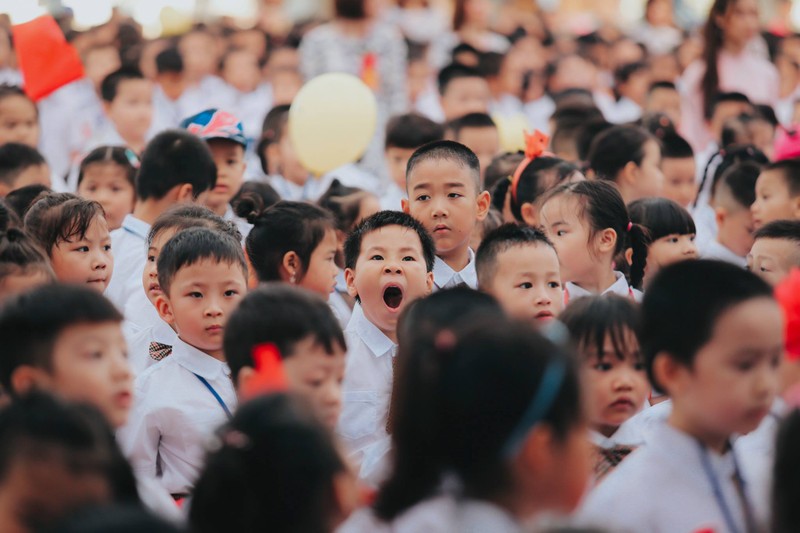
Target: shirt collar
{"x": 131, "y": 224}
{"x": 619, "y": 287}
{"x": 625, "y": 435}
{"x": 671, "y": 442}
{"x": 445, "y": 277}
{"x": 717, "y": 250}
{"x": 376, "y": 340}
{"x": 198, "y": 362}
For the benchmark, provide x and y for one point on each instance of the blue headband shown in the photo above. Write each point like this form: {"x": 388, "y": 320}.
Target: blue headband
{"x": 540, "y": 405}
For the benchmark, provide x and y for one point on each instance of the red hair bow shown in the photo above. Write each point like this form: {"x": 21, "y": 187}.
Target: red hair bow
{"x": 269, "y": 374}
{"x": 535, "y": 146}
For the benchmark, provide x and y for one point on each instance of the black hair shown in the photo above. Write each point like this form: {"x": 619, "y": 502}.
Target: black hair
{"x": 267, "y": 195}
{"x": 447, "y": 151}
{"x": 531, "y": 183}
{"x": 668, "y": 85}
{"x": 673, "y": 146}
{"x": 740, "y": 181}
{"x": 285, "y": 227}
{"x": 193, "y": 245}
{"x": 119, "y": 155}
{"x": 8, "y": 91}
{"x": 592, "y": 320}
{"x": 344, "y": 203}
{"x": 169, "y": 60}
{"x": 786, "y": 475}
{"x": 587, "y": 133}
{"x": 282, "y": 315}
{"x": 725, "y": 97}
{"x": 501, "y": 169}
{"x": 113, "y": 519}
{"x": 460, "y": 396}
{"x": 453, "y": 72}
{"x": 713, "y": 43}
{"x": 412, "y": 130}
{"x": 501, "y": 240}
{"x": 790, "y": 169}
{"x": 470, "y": 120}
{"x": 766, "y": 113}
{"x": 382, "y": 219}
{"x": 172, "y": 158}
{"x": 20, "y": 200}
{"x": 59, "y": 217}
{"x": 724, "y": 159}
{"x": 19, "y": 254}
{"x": 624, "y": 73}
{"x": 615, "y": 148}
{"x": 272, "y": 131}
{"x": 350, "y": 9}
{"x": 109, "y": 87}
{"x": 16, "y": 158}
{"x": 183, "y": 217}
{"x": 683, "y": 304}
{"x": 31, "y": 323}
{"x": 271, "y": 441}
{"x": 661, "y": 217}
{"x": 788, "y": 230}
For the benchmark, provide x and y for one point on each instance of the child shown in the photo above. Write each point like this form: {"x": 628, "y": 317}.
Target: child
{"x": 23, "y": 265}
{"x": 775, "y": 251}
{"x": 712, "y": 339}
{"x": 663, "y": 97}
{"x": 202, "y": 275}
{"x": 108, "y": 175}
{"x": 278, "y": 159}
{"x": 733, "y": 196}
{"x": 225, "y": 138}
{"x": 631, "y": 158}
{"x": 176, "y": 168}
{"x": 605, "y": 332}
{"x": 292, "y": 242}
{"x": 19, "y": 118}
{"x": 670, "y": 230}
{"x": 462, "y": 90}
{"x": 680, "y": 170}
{"x": 128, "y": 104}
{"x": 293, "y": 451}
{"x": 307, "y": 336}
{"x": 777, "y": 193}
{"x": 74, "y": 234}
{"x": 535, "y": 174}
{"x": 589, "y": 226}
{"x": 446, "y": 195}
{"x": 389, "y": 263}
{"x": 249, "y": 96}
{"x": 478, "y": 132}
{"x": 20, "y": 166}
{"x": 632, "y": 81}
{"x": 519, "y": 266}
{"x": 404, "y": 134}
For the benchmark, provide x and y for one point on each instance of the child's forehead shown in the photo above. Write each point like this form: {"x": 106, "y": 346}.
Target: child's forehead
{"x": 540, "y": 250}
{"x": 439, "y": 171}
{"x": 392, "y": 237}
{"x": 208, "y": 271}
{"x": 561, "y": 208}
{"x": 18, "y": 103}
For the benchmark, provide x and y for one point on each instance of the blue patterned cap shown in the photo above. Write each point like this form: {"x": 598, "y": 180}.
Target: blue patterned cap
{"x": 216, "y": 124}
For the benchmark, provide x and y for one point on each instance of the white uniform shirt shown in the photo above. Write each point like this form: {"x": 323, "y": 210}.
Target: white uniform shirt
{"x": 715, "y": 250}
{"x": 175, "y": 416}
{"x": 367, "y": 386}
{"x": 139, "y": 345}
{"x": 392, "y": 198}
{"x": 619, "y": 287}
{"x": 128, "y": 247}
{"x": 444, "y": 277}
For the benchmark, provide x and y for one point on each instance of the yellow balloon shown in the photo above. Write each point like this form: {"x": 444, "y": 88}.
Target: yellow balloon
{"x": 511, "y": 129}
{"x": 332, "y": 121}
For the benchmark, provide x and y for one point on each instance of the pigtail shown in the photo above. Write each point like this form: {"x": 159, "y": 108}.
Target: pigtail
{"x": 639, "y": 240}
{"x": 712, "y": 35}
{"x": 250, "y": 207}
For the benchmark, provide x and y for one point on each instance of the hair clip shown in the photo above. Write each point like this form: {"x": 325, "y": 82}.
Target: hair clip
{"x": 630, "y": 225}
{"x": 445, "y": 341}
{"x": 269, "y": 374}
{"x": 535, "y": 145}
{"x": 132, "y": 158}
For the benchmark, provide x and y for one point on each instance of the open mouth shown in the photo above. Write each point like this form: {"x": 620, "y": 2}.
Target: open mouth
{"x": 544, "y": 315}
{"x": 392, "y": 296}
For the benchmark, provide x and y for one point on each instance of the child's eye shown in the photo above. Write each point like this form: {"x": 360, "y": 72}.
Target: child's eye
{"x": 409, "y": 258}
{"x": 315, "y": 384}
{"x": 603, "y": 367}
{"x": 561, "y": 233}
{"x": 231, "y": 293}
{"x": 554, "y": 285}
{"x": 525, "y": 285}
{"x": 97, "y": 354}
{"x": 455, "y": 195}
{"x": 673, "y": 240}
{"x": 376, "y": 257}
{"x": 639, "y": 366}
{"x": 107, "y": 247}
{"x": 744, "y": 366}
{"x": 195, "y": 294}
{"x": 423, "y": 198}
{"x": 151, "y": 259}
{"x": 82, "y": 249}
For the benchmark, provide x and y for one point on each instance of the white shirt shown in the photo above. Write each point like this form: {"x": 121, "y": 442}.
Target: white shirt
{"x": 715, "y": 250}
{"x": 444, "y": 277}
{"x": 337, "y": 302}
{"x": 621, "y": 111}
{"x": 539, "y": 112}
{"x": 392, "y": 198}
{"x": 619, "y": 287}
{"x": 625, "y": 435}
{"x": 175, "y": 416}
{"x": 349, "y": 175}
{"x": 678, "y": 496}
{"x": 128, "y": 247}
{"x": 139, "y": 345}
{"x": 367, "y": 386}
{"x": 292, "y": 191}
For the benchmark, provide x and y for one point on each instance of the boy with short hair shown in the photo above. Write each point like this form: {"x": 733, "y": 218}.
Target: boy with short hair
{"x": 21, "y": 165}
{"x": 712, "y": 339}
{"x": 176, "y": 167}
{"x": 389, "y": 261}
{"x": 680, "y": 170}
{"x": 775, "y": 251}
{"x": 404, "y": 134}
{"x": 478, "y": 132}
{"x": 445, "y": 193}
{"x": 462, "y": 90}
{"x": 663, "y": 97}
{"x": 777, "y": 193}
{"x": 184, "y": 398}
{"x": 518, "y": 265}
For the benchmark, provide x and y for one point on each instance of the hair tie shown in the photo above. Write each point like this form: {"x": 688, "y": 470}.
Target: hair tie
{"x": 130, "y": 155}
{"x": 535, "y": 144}
{"x": 630, "y": 225}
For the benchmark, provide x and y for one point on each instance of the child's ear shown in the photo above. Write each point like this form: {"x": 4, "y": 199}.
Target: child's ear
{"x": 671, "y": 375}
{"x": 720, "y": 215}
{"x": 795, "y": 202}
{"x": 290, "y": 265}
{"x": 429, "y": 281}
{"x": 273, "y": 158}
{"x": 185, "y": 193}
{"x": 4, "y": 190}
{"x": 25, "y": 378}
{"x": 528, "y": 212}
{"x": 606, "y": 240}
{"x": 484, "y": 203}
{"x": 629, "y": 174}
{"x": 164, "y": 308}
{"x": 405, "y": 206}
{"x": 350, "y": 279}
{"x": 629, "y": 257}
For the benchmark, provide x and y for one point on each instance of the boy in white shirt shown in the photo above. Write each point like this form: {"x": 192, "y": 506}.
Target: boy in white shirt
{"x": 389, "y": 262}
{"x": 712, "y": 339}
{"x": 180, "y": 402}
{"x": 445, "y": 193}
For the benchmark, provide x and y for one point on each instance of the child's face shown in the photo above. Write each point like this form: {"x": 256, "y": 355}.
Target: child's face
{"x": 679, "y": 180}
{"x": 199, "y": 54}
{"x": 99, "y": 63}
{"x": 19, "y": 121}
{"x": 616, "y": 388}
{"x": 465, "y": 95}
{"x": 229, "y": 158}
{"x": 22, "y": 281}
{"x": 317, "y": 375}
{"x": 527, "y": 282}
{"x": 650, "y": 179}
{"x": 733, "y": 381}
{"x": 87, "y": 260}
{"x": 570, "y": 234}
{"x": 150, "y": 274}
{"x": 283, "y": 156}
{"x": 242, "y": 71}
{"x": 736, "y": 231}
{"x": 666, "y": 101}
{"x": 108, "y": 185}
{"x": 773, "y": 259}
{"x": 320, "y": 276}
{"x": 397, "y": 159}
{"x": 390, "y": 272}
{"x": 201, "y": 298}
{"x": 443, "y": 196}
{"x": 668, "y": 250}
{"x": 485, "y": 142}
{"x": 132, "y": 109}
{"x": 33, "y": 175}
{"x": 774, "y": 200}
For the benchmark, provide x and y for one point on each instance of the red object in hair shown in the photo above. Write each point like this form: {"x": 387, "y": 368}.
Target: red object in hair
{"x": 46, "y": 59}
{"x": 269, "y": 374}
{"x": 787, "y": 143}
{"x": 788, "y": 295}
{"x": 535, "y": 146}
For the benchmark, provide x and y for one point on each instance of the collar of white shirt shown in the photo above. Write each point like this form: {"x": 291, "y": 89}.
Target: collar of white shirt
{"x": 675, "y": 445}
{"x": 445, "y": 277}
{"x": 131, "y": 224}
{"x": 625, "y": 435}
{"x": 376, "y": 340}
{"x": 619, "y": 287}
{"x": 717, "y": 250}
{"x": 198, "y": 362}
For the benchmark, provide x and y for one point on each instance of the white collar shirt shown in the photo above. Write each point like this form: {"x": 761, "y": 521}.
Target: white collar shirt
{"x": 444, "y": 277}
{"x": 130, "y": 256}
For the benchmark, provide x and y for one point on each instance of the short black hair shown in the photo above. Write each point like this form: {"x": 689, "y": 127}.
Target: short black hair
{"x": 447, "y": 151}
{"x": 119, "y": 155}
{"x": 624, "y": 72}
{"x": 587, "y": 133}
{"x": 20, "y": 200}
{"x": 740, "y": 181}
{"x": 724, "y": 97}
{"x": 790, "y": 169}
{"x": 788, "y": 230}
{"x": 283, "y": 315}
{"x": 109, "y": 87}
{"x": 58, "y": 217}
{"x": 673, "y": 146}
{"x": 412, "y": 130}
{"x": 169, "y": 60}
{"x": 16, "y": 158}
{"x": 172, "y": 158}
{"x": 382, "y": 219}
{"x": 20, "y": 254}
{"x": 31, "y": 323}
{"x": 683, "y": 303}
{"x": 592, "y": 320}
{"x": 500, "y": 240}
{"x": 193, "y": 245}
{"x": 661, "y": 217}
{"x": 8, "y": 91}
{"x": 667, "y": 85}
{"x": 615, "y": 148}
{"x": 272, "y": 131}
{"x": 455, "y": 71}
{"x": 183, "y": 217}
{"x": 470, "y": 120}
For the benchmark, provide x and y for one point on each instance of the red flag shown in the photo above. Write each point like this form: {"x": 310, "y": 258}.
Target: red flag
{"x": 46, "y": 59}
{"x": 269, "y": 374}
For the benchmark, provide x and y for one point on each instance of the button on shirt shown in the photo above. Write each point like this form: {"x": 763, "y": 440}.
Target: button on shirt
{"x": 444, "y": 277}
{"x": 128, "y": 247}
{"x": 175, "y": 416}
{"x": 367, "y": 386}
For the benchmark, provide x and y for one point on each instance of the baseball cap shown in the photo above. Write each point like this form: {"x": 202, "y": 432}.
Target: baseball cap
{"x": 215, "y": 124}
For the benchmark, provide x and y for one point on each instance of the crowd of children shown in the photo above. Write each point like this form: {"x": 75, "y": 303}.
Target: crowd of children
{"x": 560, "y": 291}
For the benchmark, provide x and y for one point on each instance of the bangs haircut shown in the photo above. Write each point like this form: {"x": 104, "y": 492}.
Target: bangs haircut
{"x": 594, "y": 319}
{"x": 661, "y": 217}
{"x": 60, "y": 217}
{"x": 352, "y": 246}
{"x": 500, "y": 240}
{"x": 788, "y": 230}
{"x": 20, "y": 255}
{"x": 447, "y": 151}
